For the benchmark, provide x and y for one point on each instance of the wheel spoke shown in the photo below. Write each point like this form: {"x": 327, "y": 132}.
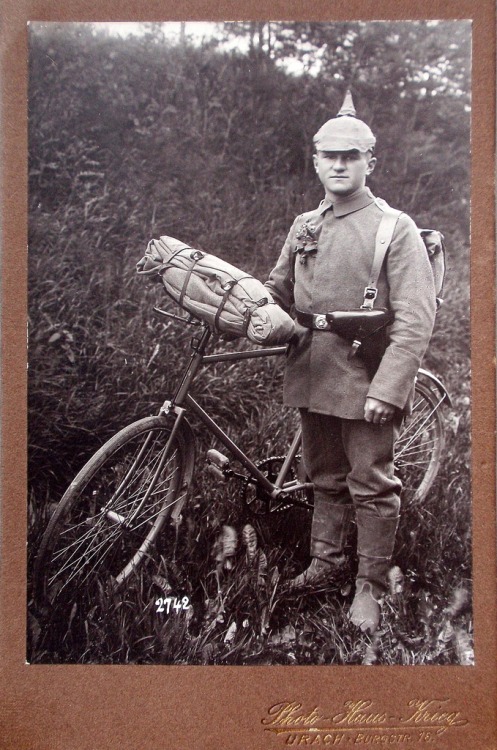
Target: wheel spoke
{"x": 146, "y": 515}
{"x": 111, "y": 511}
{"x": 418, "y": 449}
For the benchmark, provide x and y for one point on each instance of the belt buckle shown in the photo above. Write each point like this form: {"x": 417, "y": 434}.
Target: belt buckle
{"x": 320, "y": 322}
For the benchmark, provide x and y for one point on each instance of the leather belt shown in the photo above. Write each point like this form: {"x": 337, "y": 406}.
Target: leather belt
{"x": 318, "y": 321}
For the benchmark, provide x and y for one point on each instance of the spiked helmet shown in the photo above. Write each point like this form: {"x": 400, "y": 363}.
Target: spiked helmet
{"x": 345, "y": 132}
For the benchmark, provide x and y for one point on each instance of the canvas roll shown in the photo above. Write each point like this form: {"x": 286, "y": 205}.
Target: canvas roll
{"x": 230, "y": 300}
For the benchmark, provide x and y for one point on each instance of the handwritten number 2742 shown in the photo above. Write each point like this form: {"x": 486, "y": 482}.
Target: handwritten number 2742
{"x": 171, "y": 604}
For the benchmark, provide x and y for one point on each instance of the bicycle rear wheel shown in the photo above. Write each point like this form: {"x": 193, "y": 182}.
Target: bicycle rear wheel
{"x": 105, "y": 525}
{"x": 420, "y": 444}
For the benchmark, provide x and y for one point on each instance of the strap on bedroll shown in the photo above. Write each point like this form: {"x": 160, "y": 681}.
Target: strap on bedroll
{"x": 195, "y": 256}
{"x": 228, "y": 288}
{"x": 365, "y": 329}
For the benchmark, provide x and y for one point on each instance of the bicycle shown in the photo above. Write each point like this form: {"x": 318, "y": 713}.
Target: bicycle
{"x": 108, "y": 522}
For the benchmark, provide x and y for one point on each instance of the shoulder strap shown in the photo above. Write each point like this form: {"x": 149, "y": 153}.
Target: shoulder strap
{"x": 382, "y": 243}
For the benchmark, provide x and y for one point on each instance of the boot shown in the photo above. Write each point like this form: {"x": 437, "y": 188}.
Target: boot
{"x": 318, "y": 573}
{"x": 330, "y": 524}
{"x": 375, "y": 543}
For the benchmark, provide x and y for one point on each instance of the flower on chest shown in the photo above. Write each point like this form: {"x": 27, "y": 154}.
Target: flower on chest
{"x": 307, "y": 236}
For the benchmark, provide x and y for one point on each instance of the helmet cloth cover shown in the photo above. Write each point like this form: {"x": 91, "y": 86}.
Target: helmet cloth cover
{"x": 345, "y": 132}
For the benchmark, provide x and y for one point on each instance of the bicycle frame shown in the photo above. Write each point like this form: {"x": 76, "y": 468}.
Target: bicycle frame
{"x": 182, "y": 401}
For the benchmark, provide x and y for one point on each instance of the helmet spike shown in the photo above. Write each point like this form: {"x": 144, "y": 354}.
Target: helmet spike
{"x": 347, "y": 108}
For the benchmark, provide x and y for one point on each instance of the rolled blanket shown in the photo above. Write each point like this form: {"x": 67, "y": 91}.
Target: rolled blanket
{"x": 228, "y": 299}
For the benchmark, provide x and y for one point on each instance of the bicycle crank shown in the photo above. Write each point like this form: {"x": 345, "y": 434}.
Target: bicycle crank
{"x": 258, "y": 501}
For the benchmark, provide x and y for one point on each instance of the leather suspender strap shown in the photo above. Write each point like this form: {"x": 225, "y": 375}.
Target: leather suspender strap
{"x": 382, "y": 243}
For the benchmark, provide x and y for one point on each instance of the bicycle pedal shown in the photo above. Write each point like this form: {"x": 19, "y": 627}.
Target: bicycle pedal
{"x": 218, "y": 464}
{"x": 216, "y": 472}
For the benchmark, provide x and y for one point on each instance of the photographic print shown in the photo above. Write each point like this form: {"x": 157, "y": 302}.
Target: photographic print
{"x": 171, "y": 546}
{"x": 248, "y": 444}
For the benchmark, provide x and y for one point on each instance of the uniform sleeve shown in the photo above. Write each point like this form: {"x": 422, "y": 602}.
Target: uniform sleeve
{"x": 412, "y": 299}
{"x": 280, "y": 281}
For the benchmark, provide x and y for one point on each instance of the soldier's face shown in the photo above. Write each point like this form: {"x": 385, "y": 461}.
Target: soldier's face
{"x": 343, "y": 172}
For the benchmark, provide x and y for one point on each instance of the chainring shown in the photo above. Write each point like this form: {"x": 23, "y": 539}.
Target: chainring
{"x": 258, "y": 502}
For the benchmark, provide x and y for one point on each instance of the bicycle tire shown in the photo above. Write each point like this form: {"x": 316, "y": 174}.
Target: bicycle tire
{"x": 419, "y": 446}
{"x": 109, "y": 518}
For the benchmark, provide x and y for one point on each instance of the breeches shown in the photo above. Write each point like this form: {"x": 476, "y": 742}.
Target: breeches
{"x": 352, "y": 460}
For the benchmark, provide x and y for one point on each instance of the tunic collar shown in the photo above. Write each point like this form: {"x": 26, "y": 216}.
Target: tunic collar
{"x": 348, "y": 204}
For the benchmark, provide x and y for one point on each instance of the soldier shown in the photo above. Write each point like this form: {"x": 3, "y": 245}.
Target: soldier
{"x": 351, "y": 415}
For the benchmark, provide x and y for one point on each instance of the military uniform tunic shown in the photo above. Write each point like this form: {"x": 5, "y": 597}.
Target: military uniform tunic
{"x": 324, "y": 266}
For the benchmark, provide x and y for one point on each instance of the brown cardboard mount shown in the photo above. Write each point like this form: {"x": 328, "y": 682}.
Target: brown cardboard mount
{"x": 141, "y": 707}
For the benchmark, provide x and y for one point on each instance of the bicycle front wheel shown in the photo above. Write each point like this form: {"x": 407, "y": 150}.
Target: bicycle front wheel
{"x": 420, "y": 444}
{"x": 106, "y": 524}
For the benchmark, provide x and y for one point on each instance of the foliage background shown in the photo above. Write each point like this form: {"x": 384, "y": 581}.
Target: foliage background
{"x": 210, "y": 142}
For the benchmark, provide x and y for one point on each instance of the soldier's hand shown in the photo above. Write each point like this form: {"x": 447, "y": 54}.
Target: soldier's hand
{"x": 378, "y": 412}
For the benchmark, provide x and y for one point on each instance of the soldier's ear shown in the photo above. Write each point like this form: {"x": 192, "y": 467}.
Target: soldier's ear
{"x": 315, "y": 160}
{"x": 371, "y": 165}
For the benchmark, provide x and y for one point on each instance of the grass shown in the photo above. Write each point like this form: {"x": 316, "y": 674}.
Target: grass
{"x": 97, "y": 367}
{"x": 239, "y": 611}
{"x": 99, "y": 359}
